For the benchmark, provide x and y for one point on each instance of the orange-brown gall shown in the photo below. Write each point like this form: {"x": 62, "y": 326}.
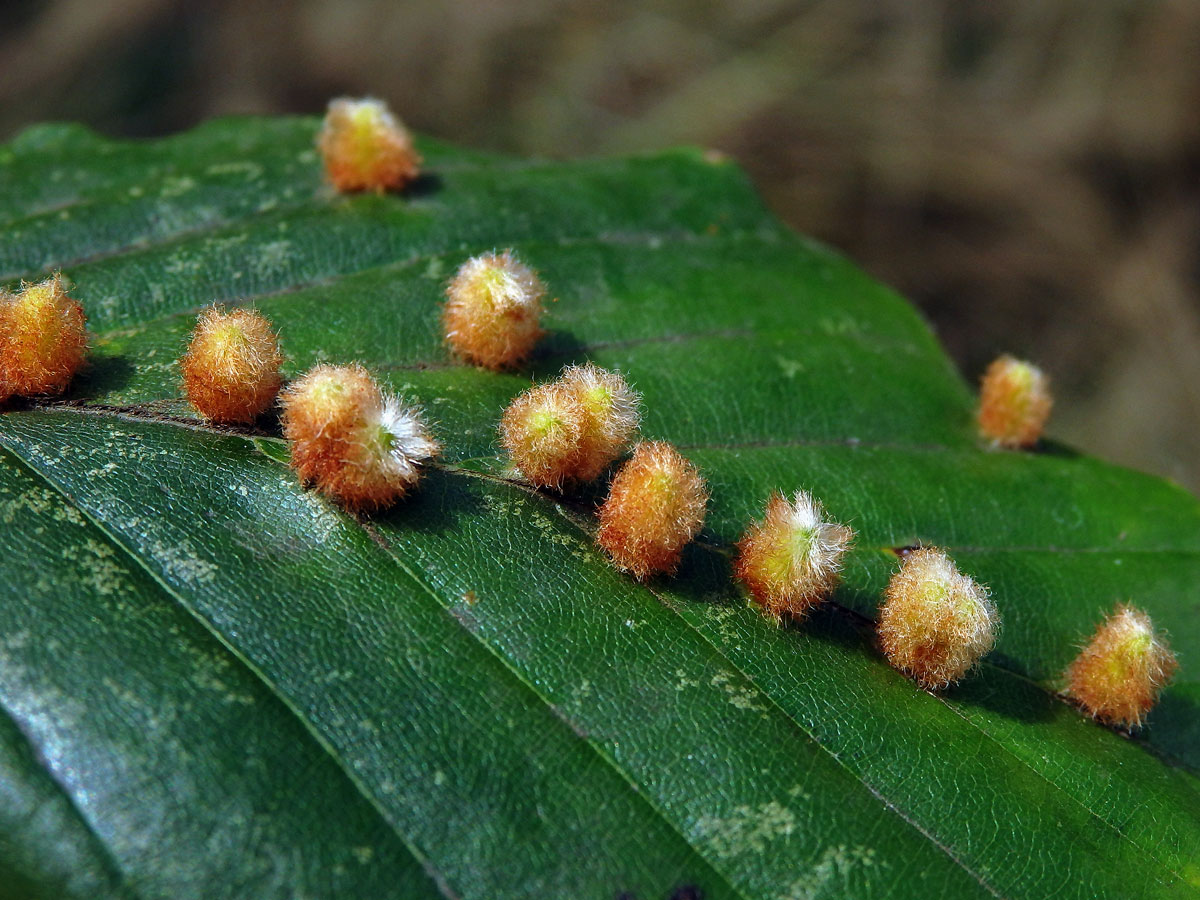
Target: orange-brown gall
{"x": 610, "y": 413}
{"x": 356, "y": 444}
{"x": 493, "y": 310}
{"x": 570, "y": 429}
{"x": 936, "y": 622}
{"x": 231, "y": 368}
{"x": 655, "y": 506}
{"x": 1119, "y": 674}
{"x": 541, "y": 430}
{"x": 1014, "y": 403}
{"x": 792, "y": 560}
{"x": 43, "y": 339}
{"x": 365, "y": 148}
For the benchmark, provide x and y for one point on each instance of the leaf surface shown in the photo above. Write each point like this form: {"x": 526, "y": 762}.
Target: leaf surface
{"x": 215, "y": 683}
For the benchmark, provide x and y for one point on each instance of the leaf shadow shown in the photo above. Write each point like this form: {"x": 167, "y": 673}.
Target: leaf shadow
{"x": 556, "y": 349}
{"x": 706, "y": 573}
{"x": 102, "y": 375}
{"x": 1175, "y": 724}
{"x": 439, "y": 505}
{"x": 994, "y": 689}
{"x": 424, "y": 185}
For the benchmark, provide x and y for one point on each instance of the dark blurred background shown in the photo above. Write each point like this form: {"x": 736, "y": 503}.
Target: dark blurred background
{"x": 1027, "y": 172}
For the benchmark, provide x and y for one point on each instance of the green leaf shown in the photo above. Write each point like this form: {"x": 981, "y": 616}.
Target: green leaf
{"x": 215, "y": 683}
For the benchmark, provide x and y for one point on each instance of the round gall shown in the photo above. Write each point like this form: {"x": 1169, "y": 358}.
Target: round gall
{"x": 936, "y": 622}
{"x": 231, "y": 368}
{"x": 43, "y": 339}
{"x": 1119, "y": 674}
{"x": 356, "y": 444}
{"x": 1014, "y": 403}
{"x": 365, "y": 148}
{"x": 655, "y": 506}
{"x": 792, "y": 560}
{"x": 493, "y": 310}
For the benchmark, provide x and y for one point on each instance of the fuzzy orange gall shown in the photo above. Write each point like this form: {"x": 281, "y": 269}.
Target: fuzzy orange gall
{"x": 655, "y": 506}
{"x": 610, "y": 413}
{"x": 570, "y": 429}
{"x": 1014, "y": 403}
{"x": 936, "y": 622}
{"x": 7, "y": 302}
{"x": 541, "y": 430}
{"x": 1118, "y": 676}
{"x": 43, "y": 341}
{"x": 792, "y": 560}
{"x": 365, "y": 147}
{"x": 356, "y": 444}
{"x": 231, "y": 368}
{"x": 493, "y": 309}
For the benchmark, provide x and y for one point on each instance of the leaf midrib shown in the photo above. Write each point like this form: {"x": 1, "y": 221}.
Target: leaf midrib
{"x": 585, "y": 741}
{"x": 588, "y": 533}
{"x": 435, "y": 875}
{"x": 576, "y": 523}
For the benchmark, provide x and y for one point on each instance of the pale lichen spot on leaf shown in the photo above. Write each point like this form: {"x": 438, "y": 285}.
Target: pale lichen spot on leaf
{"x": 502, "y": 508}
{"x": 177, "y": 186}
{"x": 183, "y": 264}
{"x": 251, "y": 170}
{"x": 581, "y": 693}
{"x": 181, "y": 564}
{"x": 747, "y": 830}
{"x": 435, "y": 269}
{"x": 211, "y": 671}
{"x": 740, "y": 695}
{"x": 831, "y": 876}
{"x": 797, "y": 790}
{"x": 791, "y": 367}
{"x": 272, "y": 258}
{"x": 97, "y": 568}
{"x": 35, "y": 500}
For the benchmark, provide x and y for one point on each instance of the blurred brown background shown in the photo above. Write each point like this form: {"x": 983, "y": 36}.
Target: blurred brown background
{"x": 1025, "y": 171}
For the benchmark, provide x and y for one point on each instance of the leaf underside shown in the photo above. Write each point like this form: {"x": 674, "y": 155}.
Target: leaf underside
{"x": 214, "y": 683}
